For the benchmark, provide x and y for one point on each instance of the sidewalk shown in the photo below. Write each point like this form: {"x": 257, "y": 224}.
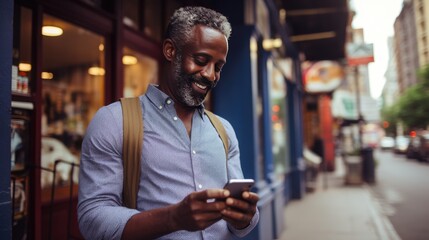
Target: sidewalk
{"x": 335, "y": 211}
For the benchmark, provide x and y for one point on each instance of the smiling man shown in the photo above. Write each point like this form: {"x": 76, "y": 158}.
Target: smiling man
{"x": 183, "y": 171}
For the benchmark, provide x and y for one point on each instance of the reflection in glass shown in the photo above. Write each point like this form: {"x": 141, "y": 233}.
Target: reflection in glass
{"x": 21, "y": 69}
{"x": 132, "y": 15}
{"x": 278, "y": 119}
{"x": 139, "y": 72}
{"x": 71, "y": 95}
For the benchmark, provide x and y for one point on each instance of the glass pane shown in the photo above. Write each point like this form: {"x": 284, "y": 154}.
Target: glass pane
{"x": 72, "y": 90}
{"x": 22, "y": 66}
{"x": 278, "y": 118}
{"x": 152, "y": 19}
{"x": 139, "y": 72}
{"x": 132, "y": 13}
{"x": 106, "y": 5}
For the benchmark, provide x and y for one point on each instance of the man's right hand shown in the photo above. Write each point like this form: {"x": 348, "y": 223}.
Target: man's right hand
{"x": 198, "y": 210}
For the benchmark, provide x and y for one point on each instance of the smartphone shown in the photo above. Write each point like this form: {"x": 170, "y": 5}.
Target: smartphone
{"x": 237, "y": 186}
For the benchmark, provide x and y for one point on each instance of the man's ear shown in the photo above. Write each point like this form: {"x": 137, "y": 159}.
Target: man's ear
{"x": 168, "y": 49}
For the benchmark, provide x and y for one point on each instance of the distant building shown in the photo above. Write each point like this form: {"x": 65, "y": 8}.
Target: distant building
{"x": 406, "y": 53}
{"x": 421, "y": 14}
{"x": 391, "y": 88}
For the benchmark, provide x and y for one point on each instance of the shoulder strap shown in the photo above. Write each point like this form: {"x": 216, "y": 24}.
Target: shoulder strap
{"x": 217, "y": 124}
{"x": 131, "y": 149}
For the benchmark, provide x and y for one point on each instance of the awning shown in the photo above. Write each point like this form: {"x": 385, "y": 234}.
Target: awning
{"x": 317, "y": 28}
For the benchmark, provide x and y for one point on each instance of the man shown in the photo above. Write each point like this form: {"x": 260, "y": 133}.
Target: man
{"x": 183, "y": 159}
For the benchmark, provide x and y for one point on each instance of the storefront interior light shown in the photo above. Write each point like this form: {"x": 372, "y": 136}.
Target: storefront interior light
{"x": 269, "y": 44}
{"x": 24, "y": 67}
{"x": 129, "y": 60}
{"x": 101, "y": 47}
{"x": 96, "y": 71}
{"x": 47, "y": 75}
{"x": 52, "y": 31}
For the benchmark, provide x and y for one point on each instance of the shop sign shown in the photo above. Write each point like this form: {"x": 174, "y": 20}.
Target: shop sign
{"x": 344, "y": 105}
{"x": 359, "y": 54}
{"x": 322, "y": 76}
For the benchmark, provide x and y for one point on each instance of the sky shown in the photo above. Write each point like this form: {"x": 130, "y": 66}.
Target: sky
{"x": 376, "y": 17}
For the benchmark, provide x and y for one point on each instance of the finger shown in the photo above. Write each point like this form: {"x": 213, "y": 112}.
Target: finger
{"x": 240, "y": 205}
{"x": 205, "y": 207}
{"x": 210, "y": 194}
{"x": 236, "y": 218}
{"x": 250, "y": 197}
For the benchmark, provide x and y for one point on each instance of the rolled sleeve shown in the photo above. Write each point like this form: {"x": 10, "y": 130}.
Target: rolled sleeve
{"x": 100, "y": 211}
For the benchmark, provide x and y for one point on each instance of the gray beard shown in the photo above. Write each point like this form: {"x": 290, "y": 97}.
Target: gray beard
{"x": 184, "y": 83}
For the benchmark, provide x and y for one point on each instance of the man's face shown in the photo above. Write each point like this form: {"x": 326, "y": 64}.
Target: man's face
{"x": 197, "y": 65}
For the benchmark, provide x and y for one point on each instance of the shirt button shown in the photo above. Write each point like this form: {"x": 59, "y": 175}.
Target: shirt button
{"x": 193, "y": 152}
{"x": 160, "y": 107}
{"x": 200, "y": 186}
{"x": 175, "y": 118}
{"x": 168, "y": 101}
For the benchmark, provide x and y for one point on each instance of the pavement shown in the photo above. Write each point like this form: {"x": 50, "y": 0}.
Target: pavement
{"x": 336, "y": 211}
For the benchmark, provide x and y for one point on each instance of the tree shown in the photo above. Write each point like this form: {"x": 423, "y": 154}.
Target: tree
{"x": 414, "y": 103}
{"x": 390, "y": 119}
{"x": 412, "y": 107}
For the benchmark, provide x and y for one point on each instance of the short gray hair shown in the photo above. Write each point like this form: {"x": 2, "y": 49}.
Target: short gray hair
{"x": 181, "y": 24}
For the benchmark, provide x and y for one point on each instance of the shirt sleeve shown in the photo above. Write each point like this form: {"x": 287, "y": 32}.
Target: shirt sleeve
{"x": 100, "y": 211}
{"x": 235, "y": 171}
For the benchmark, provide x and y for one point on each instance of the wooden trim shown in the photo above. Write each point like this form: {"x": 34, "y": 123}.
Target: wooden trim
{"x": 93, "y": 19}
{"x": 137, "y": 41}
{"x": 35, "y": 133}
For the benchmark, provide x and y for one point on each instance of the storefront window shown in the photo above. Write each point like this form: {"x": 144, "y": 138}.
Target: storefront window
{"x": 101, "y": 4}
{"x": 152, "y": 19}
{"x": 72, "y": 90}
{"x": 22, "y": 65}
{"x": 132, "y": 14}
{"x": 144, "y": 16}
{"x": 139, "y": 71}
{"x": 278, "y": 119}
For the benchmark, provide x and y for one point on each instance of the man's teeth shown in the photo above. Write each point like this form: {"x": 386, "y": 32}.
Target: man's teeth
{"x": 201, "y": 86}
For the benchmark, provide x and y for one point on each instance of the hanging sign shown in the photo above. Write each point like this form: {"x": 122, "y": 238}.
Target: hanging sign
{"x": 359, "y": 53}
{"x": 322, "y": 76}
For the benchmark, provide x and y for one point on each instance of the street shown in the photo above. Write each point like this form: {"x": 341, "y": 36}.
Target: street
{"x": 402, "y": 191}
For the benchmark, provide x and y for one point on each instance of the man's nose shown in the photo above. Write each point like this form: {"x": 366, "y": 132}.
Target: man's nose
{"x": 209, "y": 72}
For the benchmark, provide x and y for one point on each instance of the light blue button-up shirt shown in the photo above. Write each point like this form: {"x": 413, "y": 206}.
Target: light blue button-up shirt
{"x": 173, "y": 165}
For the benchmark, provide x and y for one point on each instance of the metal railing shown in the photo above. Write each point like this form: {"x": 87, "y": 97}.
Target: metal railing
{"x": 52, "y": 197}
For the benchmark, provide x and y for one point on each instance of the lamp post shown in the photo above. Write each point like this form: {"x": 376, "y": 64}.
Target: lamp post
{"x": 362, "y": 54}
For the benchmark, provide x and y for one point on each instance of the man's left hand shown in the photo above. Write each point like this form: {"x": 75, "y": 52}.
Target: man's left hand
{"x": 239, "y": 212}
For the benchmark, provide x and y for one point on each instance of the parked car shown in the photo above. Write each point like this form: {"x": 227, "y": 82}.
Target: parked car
{"x": 387, "y": 143}
{"x": 401, "y": 144}
{"x": 418, "y": 148}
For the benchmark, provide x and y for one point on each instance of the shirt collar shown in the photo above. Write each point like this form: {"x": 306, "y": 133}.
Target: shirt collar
{"x": 159, "y": 99}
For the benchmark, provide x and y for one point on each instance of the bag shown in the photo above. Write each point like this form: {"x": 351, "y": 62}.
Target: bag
{"x": 133, "y": 143}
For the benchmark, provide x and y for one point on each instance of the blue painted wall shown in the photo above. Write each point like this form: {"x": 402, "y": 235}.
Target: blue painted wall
{"x": 296, "y": 175}
{"x": 6, "y": 30}
{"x": 235, "y": 98}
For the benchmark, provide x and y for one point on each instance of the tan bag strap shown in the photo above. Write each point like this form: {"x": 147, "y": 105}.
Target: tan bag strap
{"x": 131, "y": 149}
{"x": 217, "y": 124}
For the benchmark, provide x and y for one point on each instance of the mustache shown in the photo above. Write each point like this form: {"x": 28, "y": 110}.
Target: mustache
{"x": 204, "y": 81}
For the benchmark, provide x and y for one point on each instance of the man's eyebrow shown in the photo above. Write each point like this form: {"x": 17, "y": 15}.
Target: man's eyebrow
{"x": 208, "y": 56}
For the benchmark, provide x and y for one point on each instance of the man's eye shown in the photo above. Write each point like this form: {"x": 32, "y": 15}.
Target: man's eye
{"x": 218, "y": 68}
{"x": 200, "y": 61}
